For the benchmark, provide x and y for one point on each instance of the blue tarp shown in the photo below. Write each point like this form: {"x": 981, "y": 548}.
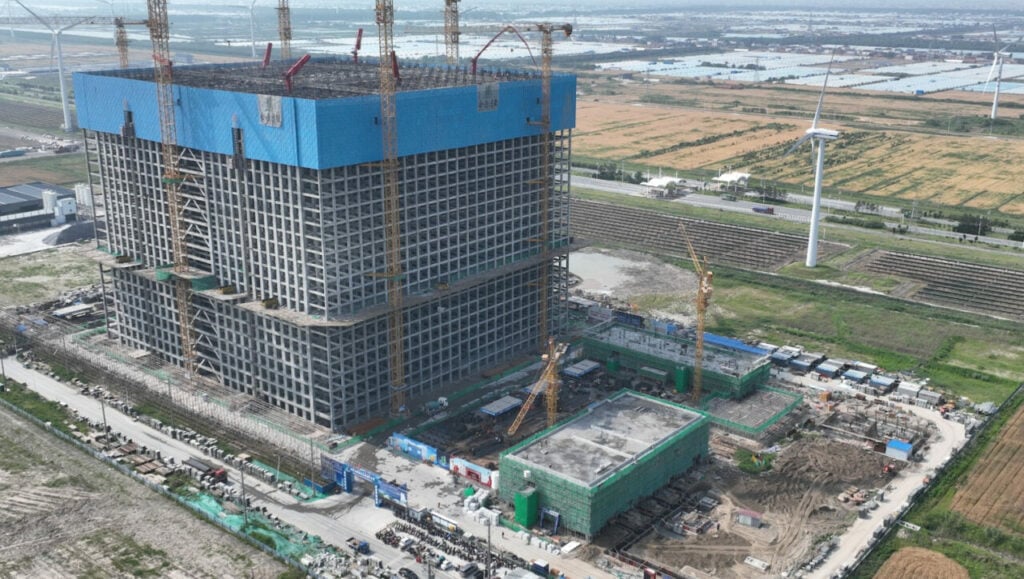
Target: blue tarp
{"x": 732, "y": 343}
{"x": 900, "y": 446}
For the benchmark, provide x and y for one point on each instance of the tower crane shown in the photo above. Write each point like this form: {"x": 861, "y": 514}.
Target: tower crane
{"x": 159, "y": 33}
{"x": 549, "y": 377}
{"x": 64, "y": 22}
{"x": 451, "y": 31}
{"x": 704, "y": 278}
{"x": 284, "y": 28}
{"x": 121, "y": 38}
{"x": 545, "y": 179}
{"x": 121, "y": 41}
{"x": 388, "y": 72}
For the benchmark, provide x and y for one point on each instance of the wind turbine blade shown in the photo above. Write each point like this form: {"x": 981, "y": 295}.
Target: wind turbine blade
{"x": 992, "y": 71}
{"x": 821, "y": 97}
{"x": 34, "y": 15}
{"x": 797, "y": 144}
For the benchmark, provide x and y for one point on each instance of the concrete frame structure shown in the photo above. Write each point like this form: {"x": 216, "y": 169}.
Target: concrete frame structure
{"x": 284, "y": 206}
{"x": 731, "y": 368}
{"x": 604, "y": 460}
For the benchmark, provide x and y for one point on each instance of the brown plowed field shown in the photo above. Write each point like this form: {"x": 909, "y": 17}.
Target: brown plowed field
{"x": 920, "y": 564}
{"x": 961, "y": 170}
{"x": 993, "y": 494}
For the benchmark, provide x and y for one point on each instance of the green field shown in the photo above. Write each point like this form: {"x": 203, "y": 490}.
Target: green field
{"x": 961, "y": 353}
{"x": 66, "y": 169}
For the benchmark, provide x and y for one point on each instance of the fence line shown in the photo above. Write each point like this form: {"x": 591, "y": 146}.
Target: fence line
{"x": 154, "y": 487}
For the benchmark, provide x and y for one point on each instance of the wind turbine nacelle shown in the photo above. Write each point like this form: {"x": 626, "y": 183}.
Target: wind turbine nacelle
{"x": 818, "y": 133}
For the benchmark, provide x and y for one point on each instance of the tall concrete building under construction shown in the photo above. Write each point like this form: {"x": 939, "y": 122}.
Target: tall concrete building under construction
{"x": 284, "y": 224}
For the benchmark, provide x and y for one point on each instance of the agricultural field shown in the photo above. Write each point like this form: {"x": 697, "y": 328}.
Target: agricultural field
{"x": 43, "y": 117}
{"x": 64, "y": 514}
{"x": 891, "y": 146}
{"x": 992, "y": 494}
{"x": 918, "y": 562}
{"x": 65, "y": 169}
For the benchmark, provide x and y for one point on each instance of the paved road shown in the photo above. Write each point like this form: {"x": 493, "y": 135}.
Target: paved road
{"x": 333, "y": 519}
{"x": 787, "y": 213}
{"x": 321, "y": 519}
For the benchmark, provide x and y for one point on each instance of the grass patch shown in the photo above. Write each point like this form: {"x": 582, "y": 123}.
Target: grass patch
{"x": 944, "y": 345}
{"x": 77, "y": 481}
{"x": 59, "y": 416}
{"x": 264, "y": 537}
{"x": 66, "y": 169}
{"x": 753, "y": 462}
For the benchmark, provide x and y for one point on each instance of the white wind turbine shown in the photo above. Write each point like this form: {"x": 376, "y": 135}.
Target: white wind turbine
{"x": 55, "y": 35}
{"x": 997, "y": 71}
{"x": 252, "y": 27}
{"x": 821, "y": 136}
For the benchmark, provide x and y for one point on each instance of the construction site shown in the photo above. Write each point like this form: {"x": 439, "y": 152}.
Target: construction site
{"x": 331, "y": 236}
{"x": 360, "y": 266}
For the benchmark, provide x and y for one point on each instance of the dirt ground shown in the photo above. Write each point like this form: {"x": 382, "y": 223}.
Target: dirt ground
{"x": 798, "y": 501}
{"x": 635, "y": 280}
{"x": 920, "y": 564}
{"x": 63, "y": 514}
{"x": 992, "y": 493}
{"x": 43, "y": 275}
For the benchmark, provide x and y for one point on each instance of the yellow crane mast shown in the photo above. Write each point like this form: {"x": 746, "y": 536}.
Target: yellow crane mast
{"x": 121, "y": 38}
{"x": 548, "y": 376}
{"x": 284, "y": 28}
{"x": 704, "y": 289}
{"x": 451, "y": 31}
{"x": 546, "y": 179}
{"x": 121, "y": 41}
{"x": 159, "y": 33}
{"x": 388, "y": 72}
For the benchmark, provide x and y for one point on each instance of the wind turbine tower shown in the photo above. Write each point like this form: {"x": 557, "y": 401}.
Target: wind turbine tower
{"x": 997, "y": 70}
{"x": 818, "y": 136}
{"x": 56, "y": 33}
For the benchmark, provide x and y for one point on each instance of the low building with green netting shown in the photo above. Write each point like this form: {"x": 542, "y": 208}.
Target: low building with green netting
{"x": 731, "y": 369}
{"x": 601, "y": 462}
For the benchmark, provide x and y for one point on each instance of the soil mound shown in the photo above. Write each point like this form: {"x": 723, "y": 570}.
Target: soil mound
{"x": 921, "y": 564}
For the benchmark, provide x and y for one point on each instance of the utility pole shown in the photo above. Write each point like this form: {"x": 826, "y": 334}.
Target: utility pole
{"x": 106, "y": 429}
{"x": 245, "y": 507}
{"x": 487, "y": 575}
